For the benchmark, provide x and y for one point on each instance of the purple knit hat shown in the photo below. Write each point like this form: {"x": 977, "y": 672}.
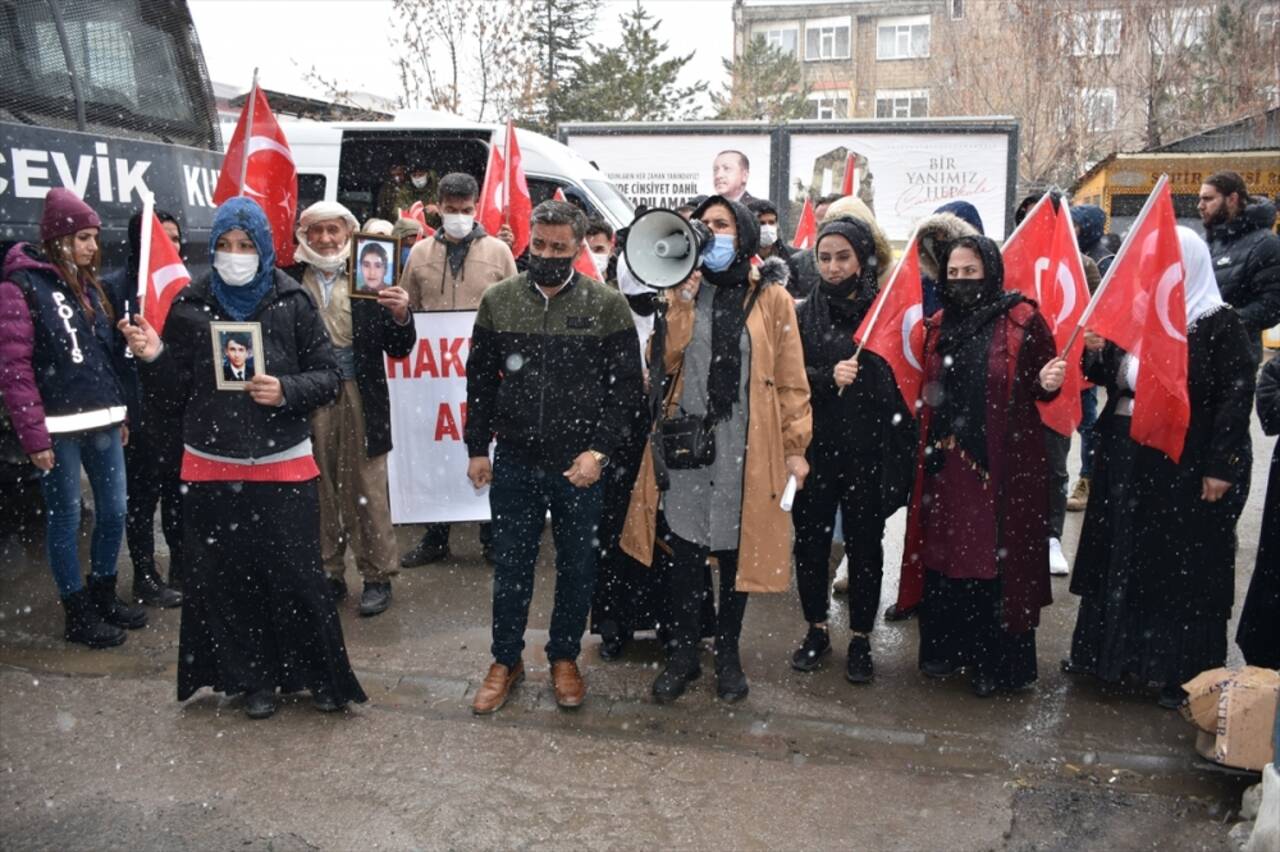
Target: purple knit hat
{"x": 65, "y": 213}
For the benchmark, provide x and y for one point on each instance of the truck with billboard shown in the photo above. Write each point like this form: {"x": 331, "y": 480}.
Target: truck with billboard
{"x": 904, "y": 168}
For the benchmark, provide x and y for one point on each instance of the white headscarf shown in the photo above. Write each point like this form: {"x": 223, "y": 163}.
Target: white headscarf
{"x": 319, "y": 212}
{"x": 1200, "y": 290}
{"x": 1201, "y": 294}
{"x": 381, "y": 227}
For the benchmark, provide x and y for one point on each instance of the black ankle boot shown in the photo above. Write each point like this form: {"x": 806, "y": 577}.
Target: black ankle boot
{"x": 858, "y": 667}
{"x": 112, "y": 610}
{"x": 150, "y": 590}
{"x": 85, "y": 626}
{"x": 731, "y": 682}
{"x": 682, "y": 669}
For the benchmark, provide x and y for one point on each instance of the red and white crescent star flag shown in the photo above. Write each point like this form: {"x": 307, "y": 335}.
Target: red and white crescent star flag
{"x": 164, "y": 276}
{"x": 492, "y": 194}
{"x": 849, "y": 185}
{"x": 894, "y": 326}
{"x": 270, "y": 178}
{"x": 418, "y": 212}
{"x": 519, "y": 206}
{"x": 1141, "y": 307}
{"x": 1043, "y": 262}
{"x": 806, "y": 228}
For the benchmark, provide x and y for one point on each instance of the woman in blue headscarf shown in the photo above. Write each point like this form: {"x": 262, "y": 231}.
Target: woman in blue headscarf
{"x": 257, "y": 615}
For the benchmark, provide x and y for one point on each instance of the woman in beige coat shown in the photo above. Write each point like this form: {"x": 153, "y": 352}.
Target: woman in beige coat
{"x": 743, "y": 371}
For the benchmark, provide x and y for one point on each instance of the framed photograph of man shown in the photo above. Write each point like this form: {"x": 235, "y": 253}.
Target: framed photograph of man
{"x": 375, "y": 265}
{"x": 237, "y": 353}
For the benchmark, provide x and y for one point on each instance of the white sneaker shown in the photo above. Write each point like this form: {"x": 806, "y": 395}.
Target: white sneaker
{"x": 841, "y": 584}
{"x": 1058, "y": 566}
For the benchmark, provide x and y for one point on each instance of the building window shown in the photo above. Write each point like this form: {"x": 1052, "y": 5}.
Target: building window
{"x": 957, "y": 10}
{"x": 827, "y": 106}
{"x": 1180, "y": 28}
{"x": 902, "y": 103}
{"x": 1094, "y": 33}
{"x": 902, "y": 38}
{"x": 1099, "y": 108}
{"x": 827, "y": 38}
{"x": 786, "y": 38}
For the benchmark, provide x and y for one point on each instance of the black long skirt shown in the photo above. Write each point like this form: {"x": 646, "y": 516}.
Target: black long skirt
{"x": 1259, "y": 632}
{"x": 1113, "y": 637}
{"x": 960, "y": 625}
{"x": 258, "y": 613}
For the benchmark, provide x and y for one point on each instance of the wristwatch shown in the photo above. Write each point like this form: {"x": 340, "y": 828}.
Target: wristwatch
{"x": 601, "y": 458}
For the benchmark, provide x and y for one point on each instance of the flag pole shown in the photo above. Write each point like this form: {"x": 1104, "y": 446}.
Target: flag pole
{"x": 506, "y": 167}
{"x": 144, "y": 251}
{"x": 1087, "y": 313}
{"x": 880, "y": 300}
{"x": 884, "y": 294}
{"x": 248, "y": 132}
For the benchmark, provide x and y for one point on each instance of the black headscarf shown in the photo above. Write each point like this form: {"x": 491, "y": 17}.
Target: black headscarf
{"x": 964, "y": 341}
{"x": 831, "y": 313}
{"x": 728, "y": 310}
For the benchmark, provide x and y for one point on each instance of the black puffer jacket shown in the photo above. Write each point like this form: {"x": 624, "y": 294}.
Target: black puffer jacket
{"x": 1246, "y": 261}
{"x": 229, "y": 423}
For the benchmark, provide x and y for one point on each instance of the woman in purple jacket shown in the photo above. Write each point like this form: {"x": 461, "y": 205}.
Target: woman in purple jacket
{"x": 68, "y": 408}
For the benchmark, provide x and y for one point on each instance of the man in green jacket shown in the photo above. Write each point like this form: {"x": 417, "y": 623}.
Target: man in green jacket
{"x": 554, "y": 375}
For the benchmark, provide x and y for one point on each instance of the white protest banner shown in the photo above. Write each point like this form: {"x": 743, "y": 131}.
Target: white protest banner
{"x": 427, "y": 470}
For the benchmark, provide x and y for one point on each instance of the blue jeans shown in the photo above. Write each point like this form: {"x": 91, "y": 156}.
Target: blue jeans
{"x": 519, "y": 498}
{"x": 102, "y": 456}
{"x": 1089, "y": 409}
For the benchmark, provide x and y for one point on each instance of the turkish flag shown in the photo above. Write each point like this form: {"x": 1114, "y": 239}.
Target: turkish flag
{"x": 418, "y": 212}
{"x": 270, "y": 179}
{"x": 1141, "y": 307}
{"x": 489, "y": 211}
{"x": 585, "y": 264}
{"x": 1042, "y": 261}
{"x": 806, "y": 229}
{"x": 849, "y": 186}
{"x": 161, "y": 277}
{"x": 505, "y": 199}
{"x": 894, "y": 326}
{"x": 1026, "y": 252}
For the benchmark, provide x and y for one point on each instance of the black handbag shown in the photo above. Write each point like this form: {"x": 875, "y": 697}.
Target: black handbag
{"x": 688, "y": 442}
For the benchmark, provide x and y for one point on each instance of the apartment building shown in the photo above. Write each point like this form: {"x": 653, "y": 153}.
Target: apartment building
{"x": 861, "y": 59}
{"x": 1084, "y": 77}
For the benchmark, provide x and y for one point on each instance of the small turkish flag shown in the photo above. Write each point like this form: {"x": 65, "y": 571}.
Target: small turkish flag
{"x": 1141, "y": 307}
{"x": 806, "y": 229}
{"x": 1041, "y": 260}
{"x": 418, "y": 212}
{"x": 519, "y": 206}
{"x": 492, "y": 195}
{"x": 270, "y": 178}
{"x": 162, "y": 277}
{"x": 894, "y": 326}
{"x": 850, "y": 186}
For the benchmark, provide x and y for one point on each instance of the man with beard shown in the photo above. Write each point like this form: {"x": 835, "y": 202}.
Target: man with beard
{"x": 352, "y": 437}
{"x": 1246, "y": 254}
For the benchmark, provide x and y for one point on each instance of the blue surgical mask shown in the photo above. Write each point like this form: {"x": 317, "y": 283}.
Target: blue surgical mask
{"x": 719, "y": 253}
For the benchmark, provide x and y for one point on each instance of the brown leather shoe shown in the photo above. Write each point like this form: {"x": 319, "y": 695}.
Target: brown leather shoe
{"x": 568, "y": 684}
{"x": 496, "y": 688}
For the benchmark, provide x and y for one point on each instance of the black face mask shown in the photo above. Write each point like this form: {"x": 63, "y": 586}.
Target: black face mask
{"x": 965, "y": 292}
{"x": 549, "y": 271}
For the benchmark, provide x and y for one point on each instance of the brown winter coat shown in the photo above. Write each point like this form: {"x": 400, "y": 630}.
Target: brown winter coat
{"x": 780, "y": 424}
{"x": 430, "y": 282}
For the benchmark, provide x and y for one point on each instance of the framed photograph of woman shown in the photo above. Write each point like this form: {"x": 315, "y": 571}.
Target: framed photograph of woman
{"x": 237, "y": 353}
{"x": 375, "y": 265}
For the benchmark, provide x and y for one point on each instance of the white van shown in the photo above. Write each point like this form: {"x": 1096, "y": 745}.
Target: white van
{"x": 349, "y": 161}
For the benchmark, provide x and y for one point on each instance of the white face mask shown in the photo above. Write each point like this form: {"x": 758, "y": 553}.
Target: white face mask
{"x": 457, "y": 225}
{"x": 768, "y": 235}
{"x": 601, "y": 260}
{"x": 419, "y": 182}
{"x": 235, "y": 270}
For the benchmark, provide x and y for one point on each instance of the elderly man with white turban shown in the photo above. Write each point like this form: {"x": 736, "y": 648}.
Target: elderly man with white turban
{"x": 352, "y": 437}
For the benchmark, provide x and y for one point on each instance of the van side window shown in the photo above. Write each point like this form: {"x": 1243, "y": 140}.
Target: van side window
{"x": 541, "y": 189}
{"x": 310, "y": 189}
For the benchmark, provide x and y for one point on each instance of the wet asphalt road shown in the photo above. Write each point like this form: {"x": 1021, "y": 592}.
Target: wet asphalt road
{"x": 96, "y": 753}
